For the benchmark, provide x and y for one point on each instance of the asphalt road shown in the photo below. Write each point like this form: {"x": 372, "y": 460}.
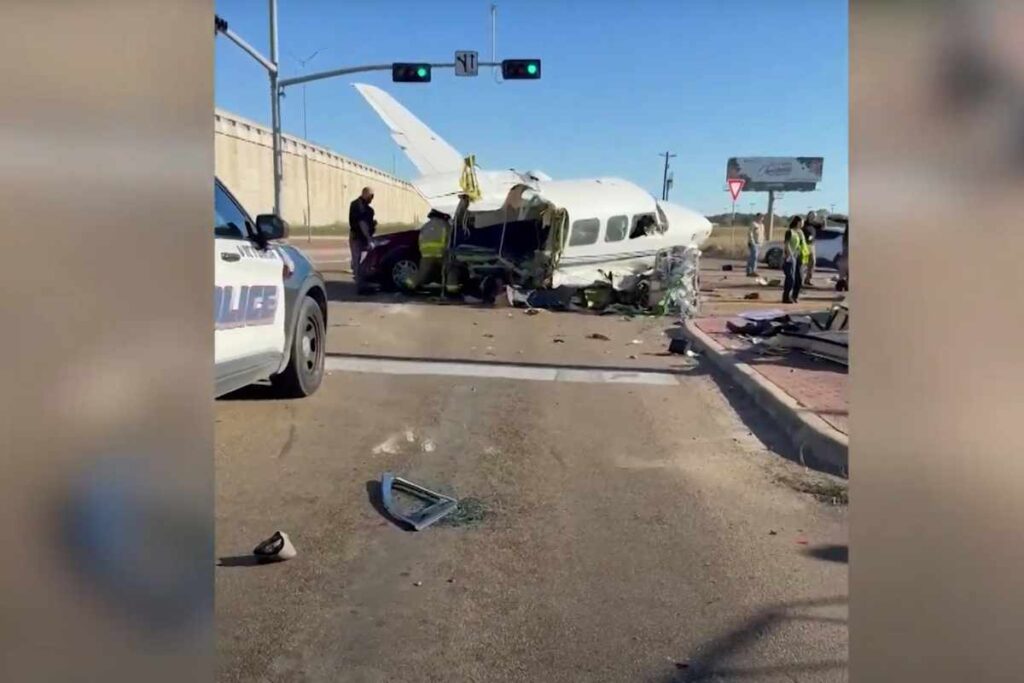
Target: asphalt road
{"x": 637, "y": 525}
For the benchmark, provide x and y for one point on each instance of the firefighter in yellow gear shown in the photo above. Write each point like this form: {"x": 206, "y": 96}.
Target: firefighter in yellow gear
{"x": 433, "y": 240}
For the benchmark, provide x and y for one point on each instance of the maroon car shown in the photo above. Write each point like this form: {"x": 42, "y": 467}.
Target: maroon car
{"x": 392, "y": 260}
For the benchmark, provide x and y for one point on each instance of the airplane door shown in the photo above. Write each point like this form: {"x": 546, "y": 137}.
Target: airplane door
{"x": 248, "y": 300}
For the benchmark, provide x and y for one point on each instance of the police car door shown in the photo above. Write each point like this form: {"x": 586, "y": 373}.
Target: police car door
{"x": 249, "y": 304}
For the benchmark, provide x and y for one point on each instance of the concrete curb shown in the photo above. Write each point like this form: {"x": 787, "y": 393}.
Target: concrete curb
{"x": 819, "y": 444}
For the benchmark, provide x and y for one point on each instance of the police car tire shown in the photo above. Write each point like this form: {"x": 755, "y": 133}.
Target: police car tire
{"x": 773, "y": 259}
{"x": 296, "y": 381}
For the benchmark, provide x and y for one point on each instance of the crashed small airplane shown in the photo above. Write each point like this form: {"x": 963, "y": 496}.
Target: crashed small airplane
{"x": 547, "y": 233}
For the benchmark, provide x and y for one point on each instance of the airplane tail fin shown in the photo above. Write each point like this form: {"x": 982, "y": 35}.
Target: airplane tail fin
{"x": 427, "y": 151}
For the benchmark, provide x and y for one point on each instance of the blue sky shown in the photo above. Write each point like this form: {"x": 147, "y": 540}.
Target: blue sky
{"x": 622, "y": 82}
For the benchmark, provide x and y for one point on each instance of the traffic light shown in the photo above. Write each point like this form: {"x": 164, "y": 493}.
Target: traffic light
{"x": 410, "y": 73}
{"x": 520, "y": 69}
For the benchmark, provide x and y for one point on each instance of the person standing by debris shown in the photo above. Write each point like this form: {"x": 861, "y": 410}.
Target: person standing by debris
{"x": 811, "y": 225}
{"x": 361, "y": 227}
{"x": 433, "y": 241}
{"x": 755, "y": 238}
{"x": 793, "y": 247}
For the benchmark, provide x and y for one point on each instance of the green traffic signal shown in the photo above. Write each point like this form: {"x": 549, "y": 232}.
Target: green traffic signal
{"x": 402, "y": 72}
{"x": 519, "y": 69}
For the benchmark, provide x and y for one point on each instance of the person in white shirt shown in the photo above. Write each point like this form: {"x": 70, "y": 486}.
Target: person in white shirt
{"x": 755, "y": 238}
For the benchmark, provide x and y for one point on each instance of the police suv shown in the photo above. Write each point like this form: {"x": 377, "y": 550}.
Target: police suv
{"x": 270, "y": 304}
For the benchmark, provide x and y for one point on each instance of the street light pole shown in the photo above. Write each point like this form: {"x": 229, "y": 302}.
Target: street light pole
{"x": 275, "y": 108}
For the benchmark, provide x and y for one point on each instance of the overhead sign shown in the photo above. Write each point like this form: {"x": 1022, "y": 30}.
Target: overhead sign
{"x": 787, "y": 174}
{"x": 735, "y": 187}
{"x": 466, "y": 63}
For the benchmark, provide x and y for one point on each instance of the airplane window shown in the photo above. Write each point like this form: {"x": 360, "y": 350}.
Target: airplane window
{"x": 616, "y": 229}
{"x": 584, "y": 232}
{"x": 643, "y": 225}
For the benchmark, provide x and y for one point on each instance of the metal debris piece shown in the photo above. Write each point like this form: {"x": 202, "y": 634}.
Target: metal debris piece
{"x": 438, "y": 504}
{"x": 598, "y": 336}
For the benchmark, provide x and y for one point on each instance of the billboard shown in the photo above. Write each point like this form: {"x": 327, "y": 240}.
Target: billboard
{"x": 787, "y": 174}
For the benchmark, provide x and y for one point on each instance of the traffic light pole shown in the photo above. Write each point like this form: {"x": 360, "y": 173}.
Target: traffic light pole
{"x": 275, "y": 110}
{"x": 297, "y": 80}
{"x": 277, "y": 84}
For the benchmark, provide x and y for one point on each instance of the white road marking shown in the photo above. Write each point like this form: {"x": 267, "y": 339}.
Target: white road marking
{"x": 499, "y": 371}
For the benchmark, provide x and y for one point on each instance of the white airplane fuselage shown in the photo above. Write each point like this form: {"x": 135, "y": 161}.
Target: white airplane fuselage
{"x": 602, "y": 235}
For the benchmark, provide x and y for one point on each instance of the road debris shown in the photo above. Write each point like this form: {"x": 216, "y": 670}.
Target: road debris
{"x": 557, "y": 340}
{"x": 637, "y": 341}
{"x": 417, "y": 583}
{"x": 277, "y": 548}
{"x": 598, "y": 336}
{"x": 752, "y": 295}
{"x": 727, "y": 267}
{"x": 434, "y": 506}
{"x": 428, "y": 446}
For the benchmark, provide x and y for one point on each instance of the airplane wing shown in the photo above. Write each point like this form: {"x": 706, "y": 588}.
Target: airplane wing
{"x": 427, "y": 151}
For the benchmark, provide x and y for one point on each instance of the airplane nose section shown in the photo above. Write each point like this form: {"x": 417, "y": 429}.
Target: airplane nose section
{"x": 681, "y": 219}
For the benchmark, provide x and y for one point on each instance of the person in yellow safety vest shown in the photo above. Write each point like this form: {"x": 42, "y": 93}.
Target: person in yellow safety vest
{"x": 433, "y": 239}
{"x": 795, "y": 252}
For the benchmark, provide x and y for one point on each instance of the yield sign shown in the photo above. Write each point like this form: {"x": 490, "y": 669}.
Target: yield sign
{"x": 735, "y": 187}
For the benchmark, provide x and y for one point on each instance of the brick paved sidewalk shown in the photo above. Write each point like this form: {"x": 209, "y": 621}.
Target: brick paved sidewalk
{"x": 819, "y": 385}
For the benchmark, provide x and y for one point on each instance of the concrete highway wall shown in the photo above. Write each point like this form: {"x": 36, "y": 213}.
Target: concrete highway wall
{"x": 243, "y": 162}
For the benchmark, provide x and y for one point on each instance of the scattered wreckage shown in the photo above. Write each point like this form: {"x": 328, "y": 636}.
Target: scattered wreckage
{"x": 529, "y": 244}
{"x": 823, "y": 334}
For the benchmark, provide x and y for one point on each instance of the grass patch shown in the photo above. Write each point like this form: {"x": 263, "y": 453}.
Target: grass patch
{"x": 825, "y": 489}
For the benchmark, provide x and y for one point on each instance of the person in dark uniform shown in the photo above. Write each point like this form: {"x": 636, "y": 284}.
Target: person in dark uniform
{"x": 361, "y": 227}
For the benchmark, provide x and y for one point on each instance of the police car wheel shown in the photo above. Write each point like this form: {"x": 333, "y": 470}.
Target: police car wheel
{"x": 774, "y": 258}
{"x": 305, "y": 368}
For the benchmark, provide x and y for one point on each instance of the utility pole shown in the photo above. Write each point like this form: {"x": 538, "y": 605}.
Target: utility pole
{"x": 664, "y": 178}
{"x": 305, "y": 136}
{"x": 275, "y": 109}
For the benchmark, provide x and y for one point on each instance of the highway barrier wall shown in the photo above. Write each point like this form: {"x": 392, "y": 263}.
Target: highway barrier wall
{"x": 244, "y": 162}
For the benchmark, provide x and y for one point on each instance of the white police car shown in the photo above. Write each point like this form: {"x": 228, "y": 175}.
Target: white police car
{"x": 270, "y": 304}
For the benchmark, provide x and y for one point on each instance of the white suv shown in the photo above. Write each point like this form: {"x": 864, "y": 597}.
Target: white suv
{"x": 270, "y": 304}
